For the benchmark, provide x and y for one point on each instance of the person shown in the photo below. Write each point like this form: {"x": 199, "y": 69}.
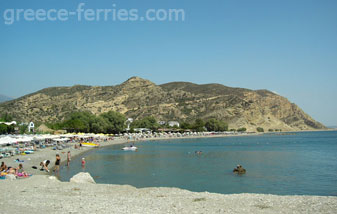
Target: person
{"x": 3, "y": 167}
{"x": 11, "y": 170}
{"x": 83, "y": 162}
{"x": 239, "y": 169}
{"x": 57, "y": 163}
{"x": 68, "y": 158}
{"x": 44, "y": 165}
{"x": 20, "y": 171}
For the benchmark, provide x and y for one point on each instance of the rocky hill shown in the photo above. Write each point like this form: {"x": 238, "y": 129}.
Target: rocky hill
{"x": 181, "y": 101}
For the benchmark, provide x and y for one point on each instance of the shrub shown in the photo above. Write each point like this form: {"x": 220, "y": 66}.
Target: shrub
{"x": 259, "y": 129}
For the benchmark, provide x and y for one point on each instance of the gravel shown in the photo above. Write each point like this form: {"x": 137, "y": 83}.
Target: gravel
{"x": 45, "y": 194}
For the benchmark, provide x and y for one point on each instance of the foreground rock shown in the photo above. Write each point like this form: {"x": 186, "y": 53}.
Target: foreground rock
{"x": 39, "y": 194}
{"x": 82, "y": 178}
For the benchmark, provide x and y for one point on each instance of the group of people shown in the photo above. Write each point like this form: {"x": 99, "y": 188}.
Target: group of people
{"x": 44, "y": 164}
{"x": 20, "y": 172}
{"x": 17, "y": 172}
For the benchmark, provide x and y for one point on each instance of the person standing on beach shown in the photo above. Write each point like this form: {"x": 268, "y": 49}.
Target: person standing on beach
{"x": 83, "y": 163}
{"x": 68, "y": 158}
{"x": 57, "y": 163}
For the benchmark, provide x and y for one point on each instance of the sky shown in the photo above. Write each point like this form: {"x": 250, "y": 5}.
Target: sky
{"x": 285, "y": 46}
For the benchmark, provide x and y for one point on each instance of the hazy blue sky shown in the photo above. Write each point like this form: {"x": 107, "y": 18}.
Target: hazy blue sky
{"x": 287, "y": 46}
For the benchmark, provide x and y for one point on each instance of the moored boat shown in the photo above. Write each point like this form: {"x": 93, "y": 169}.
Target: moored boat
{"x": 130, "y": 148}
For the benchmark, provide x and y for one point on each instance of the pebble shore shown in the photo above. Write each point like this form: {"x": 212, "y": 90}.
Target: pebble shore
{"x": 41, "y": 194}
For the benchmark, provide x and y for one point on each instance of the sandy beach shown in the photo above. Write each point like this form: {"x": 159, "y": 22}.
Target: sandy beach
{"x": 50, "y": 154}
{"x": 43, "y": 193}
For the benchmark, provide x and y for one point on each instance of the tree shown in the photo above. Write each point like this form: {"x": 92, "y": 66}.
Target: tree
{"x": 76, "y": 125}
{"x": 23, "y": 129}
{"x": 216, "y": 125}
{"x": 3, "y": 128}
{"x": 259, "y": 129}
{"x": 199, "y": 125}
{"x": 99, "y": 125}
{"x": 243, "y": 129}
{"x": 115, "y": 122}
{"x": 185, "y": 125}
{"x": 79, "y": 121}
{"x": 146, "y": 122}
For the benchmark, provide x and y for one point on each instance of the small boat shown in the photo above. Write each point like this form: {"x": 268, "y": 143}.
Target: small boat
{"x": 130, "y": 148}
{"x": 90, "y": 145}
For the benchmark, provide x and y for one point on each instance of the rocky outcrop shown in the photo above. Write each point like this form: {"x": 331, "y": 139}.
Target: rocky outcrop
{"x": 181, "y": 101}
{"x": 82, "y": 178}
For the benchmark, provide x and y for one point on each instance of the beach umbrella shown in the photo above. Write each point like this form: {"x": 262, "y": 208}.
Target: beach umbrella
{"x": 7, "y": 140}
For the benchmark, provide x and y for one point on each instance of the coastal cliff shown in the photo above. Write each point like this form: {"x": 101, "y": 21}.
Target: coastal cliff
{"x": 181, "y": 101}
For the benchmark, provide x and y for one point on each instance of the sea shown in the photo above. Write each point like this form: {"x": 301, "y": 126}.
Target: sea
{"x": 299, "y": 163}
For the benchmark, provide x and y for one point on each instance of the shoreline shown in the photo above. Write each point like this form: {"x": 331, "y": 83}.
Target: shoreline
{"x": 49, "y": 154}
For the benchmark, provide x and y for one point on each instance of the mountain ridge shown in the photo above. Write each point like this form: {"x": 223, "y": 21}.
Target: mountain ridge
{"x": 181, "y": 101}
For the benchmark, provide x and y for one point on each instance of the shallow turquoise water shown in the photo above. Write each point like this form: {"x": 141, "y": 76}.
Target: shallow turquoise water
{"x": 305, "y": 163}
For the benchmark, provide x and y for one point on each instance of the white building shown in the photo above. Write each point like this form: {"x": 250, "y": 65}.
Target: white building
{"x": 128, "y": 123}
{"x": 173, "y": 123}
{"x": 31, "y": 127}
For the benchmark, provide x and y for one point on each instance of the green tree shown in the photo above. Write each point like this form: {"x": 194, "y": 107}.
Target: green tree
{"x": 185, "y": 125}
{"x": 79, "y": 122}
{"x": 147, "y": 122}
{"x": 99, "y": 125}
{"x": 216, "y": 125}
{"x": 243, "y": 129}
{"x": 199, "y": 125}
{"x": 259, "y": 129}
{"x": 3, "y": 128}
{"x": 23, "y": 129}
{"x": 115, "y": 122}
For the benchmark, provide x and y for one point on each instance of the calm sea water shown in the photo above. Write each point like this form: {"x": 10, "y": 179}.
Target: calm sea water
{"x": 304, "y": 163}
